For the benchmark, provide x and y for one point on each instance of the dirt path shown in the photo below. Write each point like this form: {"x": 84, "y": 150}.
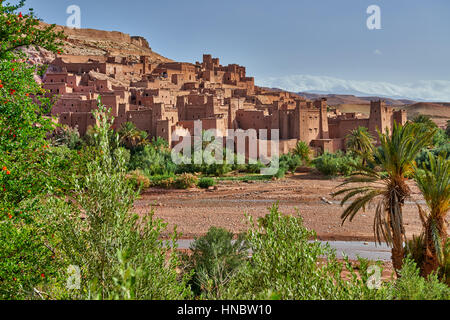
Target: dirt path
{"x": 194, "y": 211}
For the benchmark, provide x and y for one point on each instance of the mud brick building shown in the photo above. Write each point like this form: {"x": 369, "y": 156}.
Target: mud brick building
{"x": 159, "y": 98}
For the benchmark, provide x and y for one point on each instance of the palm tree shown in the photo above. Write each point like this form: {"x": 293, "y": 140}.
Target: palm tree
{"x": 386, "y": 184}
{"x": 303, "y": 151}
{"x": 131, "y": 136}
{"x": 424, "y": 120}
{"x": 360, "y": 141}
{"x": 434, "y": 182}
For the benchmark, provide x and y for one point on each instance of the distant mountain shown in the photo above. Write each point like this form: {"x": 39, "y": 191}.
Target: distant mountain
{"x": 339, "y": 99}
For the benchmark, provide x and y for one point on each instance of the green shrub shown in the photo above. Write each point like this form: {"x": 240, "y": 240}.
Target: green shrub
{"x": 153, "y": 159}
{"x": 254, "y": 167}
{"x": 216, "y": 169}
{"x": 411, "y": 286}
{"x": 163, "y": 181}
{"x": 215, "y": 258}
{"x": 423, "y": 158}
{"x": 97, "y": 228}
{"x": 186, "y": 181}
{"x": 26, "y": 263}
{"x": 286, "y": 265}
{"x": 290, "y": 162}
{"x": 336, "y": 164}
{"x": 280, "y": 173}
{"x": 171, "y": 181}
{"x": 138, "y": 180}
{"x": 327, "y": 164}
{"x": 67, "y": 136}
{"x": 205, "y": 183}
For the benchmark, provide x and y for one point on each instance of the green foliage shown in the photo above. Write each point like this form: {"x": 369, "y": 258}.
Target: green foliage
{"x": 360, "y": 142}
{"x": 415, "y": 249}
{"x": 186, "y": 181}
{"x": 215, "y": 259}
{"x": 254, "y": 167}
{"x": 444, "y": 268}
{"x": 424, "y": 120}
{"x": 131, "y": 137}
{"x": 206, "y": 182}
{"x": 280, "y": 173}
{"x": 290, "y": 162}
{"x": 440, "y": 139}
{"x": 422, "y": 158}
{"x": 138, "y": 180}
{"x": 336, "y": 164}
{"x": 98, "y": 229}
{"x": 434, "y": 183}
{"x": 303, "y": 151}
{"x": 27, "y": 257}
{"x": 25, "y": 159}
{"x": 411, "y": 286}
{"x": 183, "y": 181}
{"x": 386, "y": 184}
{"x": 22, "y": 30}
{"x": 67, "y": 136}
{"x": 286, "y": 265}
{"x": 153, "y": 159}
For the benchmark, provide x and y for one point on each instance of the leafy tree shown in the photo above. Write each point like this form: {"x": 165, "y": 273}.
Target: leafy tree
{"x": 114, "y": 248}
{"x": 22, "y": 30}
{"x": 27, "y": 259}
{"x": 360, "y": 141}
{"x": 302, "y": 150}
{"x": 131, "y": 137}
{"x": 387, "y": 186}
{"x": 435, "y": 187}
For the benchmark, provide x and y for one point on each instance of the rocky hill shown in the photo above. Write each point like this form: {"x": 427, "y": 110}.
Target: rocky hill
{"x": 92, "y": 43}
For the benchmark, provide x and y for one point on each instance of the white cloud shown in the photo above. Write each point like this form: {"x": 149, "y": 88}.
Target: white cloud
{"x": 427, "y": 90}
{"x": 378, "y": 52}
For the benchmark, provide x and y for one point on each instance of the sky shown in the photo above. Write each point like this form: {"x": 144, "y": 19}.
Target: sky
{"x": 297, "y": 45}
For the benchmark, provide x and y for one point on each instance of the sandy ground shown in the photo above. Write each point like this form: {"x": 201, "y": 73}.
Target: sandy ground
{"x": 194, "y": 211}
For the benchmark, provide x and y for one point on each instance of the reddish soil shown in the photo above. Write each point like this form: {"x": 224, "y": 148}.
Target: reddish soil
{"x": 194, "y": 211}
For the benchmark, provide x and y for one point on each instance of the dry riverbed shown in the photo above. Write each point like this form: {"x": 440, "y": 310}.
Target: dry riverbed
{"x": 194, "y": 211}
